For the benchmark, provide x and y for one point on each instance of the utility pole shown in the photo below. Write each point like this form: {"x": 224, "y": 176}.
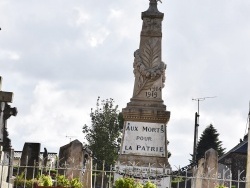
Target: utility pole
{"x": 196, "y": 125}
{"x": 248, "y": 152}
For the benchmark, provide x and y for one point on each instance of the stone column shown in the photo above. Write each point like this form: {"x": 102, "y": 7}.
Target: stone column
{"x": 145, "y": 135}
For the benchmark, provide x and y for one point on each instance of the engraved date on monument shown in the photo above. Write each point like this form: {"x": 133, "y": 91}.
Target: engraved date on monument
{"x": 153, "y": 92}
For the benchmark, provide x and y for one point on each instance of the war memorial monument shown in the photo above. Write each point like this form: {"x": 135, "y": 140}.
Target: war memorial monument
{"x": 144, "y": 152}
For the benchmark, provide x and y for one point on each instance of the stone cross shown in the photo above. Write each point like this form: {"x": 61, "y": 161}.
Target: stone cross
{"x": 5, "y": 110}
{"x": 5, "y": 96}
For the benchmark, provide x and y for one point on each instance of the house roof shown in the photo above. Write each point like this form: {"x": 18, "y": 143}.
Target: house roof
{"x": 241, "y": 148}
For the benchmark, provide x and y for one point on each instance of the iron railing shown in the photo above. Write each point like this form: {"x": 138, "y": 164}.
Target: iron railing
{"x": 93, "y": 177}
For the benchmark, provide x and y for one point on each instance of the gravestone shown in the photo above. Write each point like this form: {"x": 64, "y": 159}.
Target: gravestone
{"x": 71, "y": 159}
{"x": 30, "y": 159}
{"x": 198, "y": 173}
{"x": 211, "y": 168}
{"x": 75, "y": 161}
{"x": 144, "y": 141}
{"x": 206, "y": 174}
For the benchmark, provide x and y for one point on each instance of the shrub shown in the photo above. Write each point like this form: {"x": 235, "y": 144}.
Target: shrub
{"x": 62, "y": 181}
{"x": 127, "y": 183}
{"x": 220, "y": 186}
{"x": 177, "y": 180}
{"x": 20, "y": 181}
{"x": 132, "y": 183}
{"x": 45, "y": 180}
{"x": 75, "y": 183}
{"x": 149, "y": 185}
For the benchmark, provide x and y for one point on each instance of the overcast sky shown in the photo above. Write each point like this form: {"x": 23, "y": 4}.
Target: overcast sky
{"x": 59, "y": 56}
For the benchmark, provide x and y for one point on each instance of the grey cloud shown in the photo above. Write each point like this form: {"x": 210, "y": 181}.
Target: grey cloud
{"x": 205, "y": 46}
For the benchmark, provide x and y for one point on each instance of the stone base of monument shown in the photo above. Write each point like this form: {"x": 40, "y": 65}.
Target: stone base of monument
{"x": 159, "y": 176}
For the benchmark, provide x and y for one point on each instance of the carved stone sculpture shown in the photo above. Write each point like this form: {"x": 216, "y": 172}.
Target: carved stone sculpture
{"x": 149, "y": 70}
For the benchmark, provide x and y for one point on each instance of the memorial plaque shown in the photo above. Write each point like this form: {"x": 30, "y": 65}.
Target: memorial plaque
{"x": 143, "y": 138}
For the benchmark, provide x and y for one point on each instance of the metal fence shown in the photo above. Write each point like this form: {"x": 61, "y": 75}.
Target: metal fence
{"x": 207, "y": 181}
{"x": 92, "y": 177}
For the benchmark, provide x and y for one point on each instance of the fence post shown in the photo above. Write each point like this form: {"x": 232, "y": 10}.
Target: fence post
{"x": 239, "y": 173}
{"x": 230, "y": 181}
{"x": 25, "y": 171}
{"x": 18, "y": 168}
{"x": 95, "y": 175}
{"x": 65, "y": 168}
{"x": 103, "y": 166}
{"x": 34, "y": 169}
{"x": 186, "y": 179}
{"x": 110, "y": 176}
{"x": 1, "y": 162}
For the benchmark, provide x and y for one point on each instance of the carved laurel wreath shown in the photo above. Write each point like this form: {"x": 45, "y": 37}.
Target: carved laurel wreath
{"x": 147, "y": 68}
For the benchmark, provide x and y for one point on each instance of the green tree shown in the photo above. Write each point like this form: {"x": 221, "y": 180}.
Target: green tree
{"x": 209, "y": 139}
{"x": 104, "y": 133}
